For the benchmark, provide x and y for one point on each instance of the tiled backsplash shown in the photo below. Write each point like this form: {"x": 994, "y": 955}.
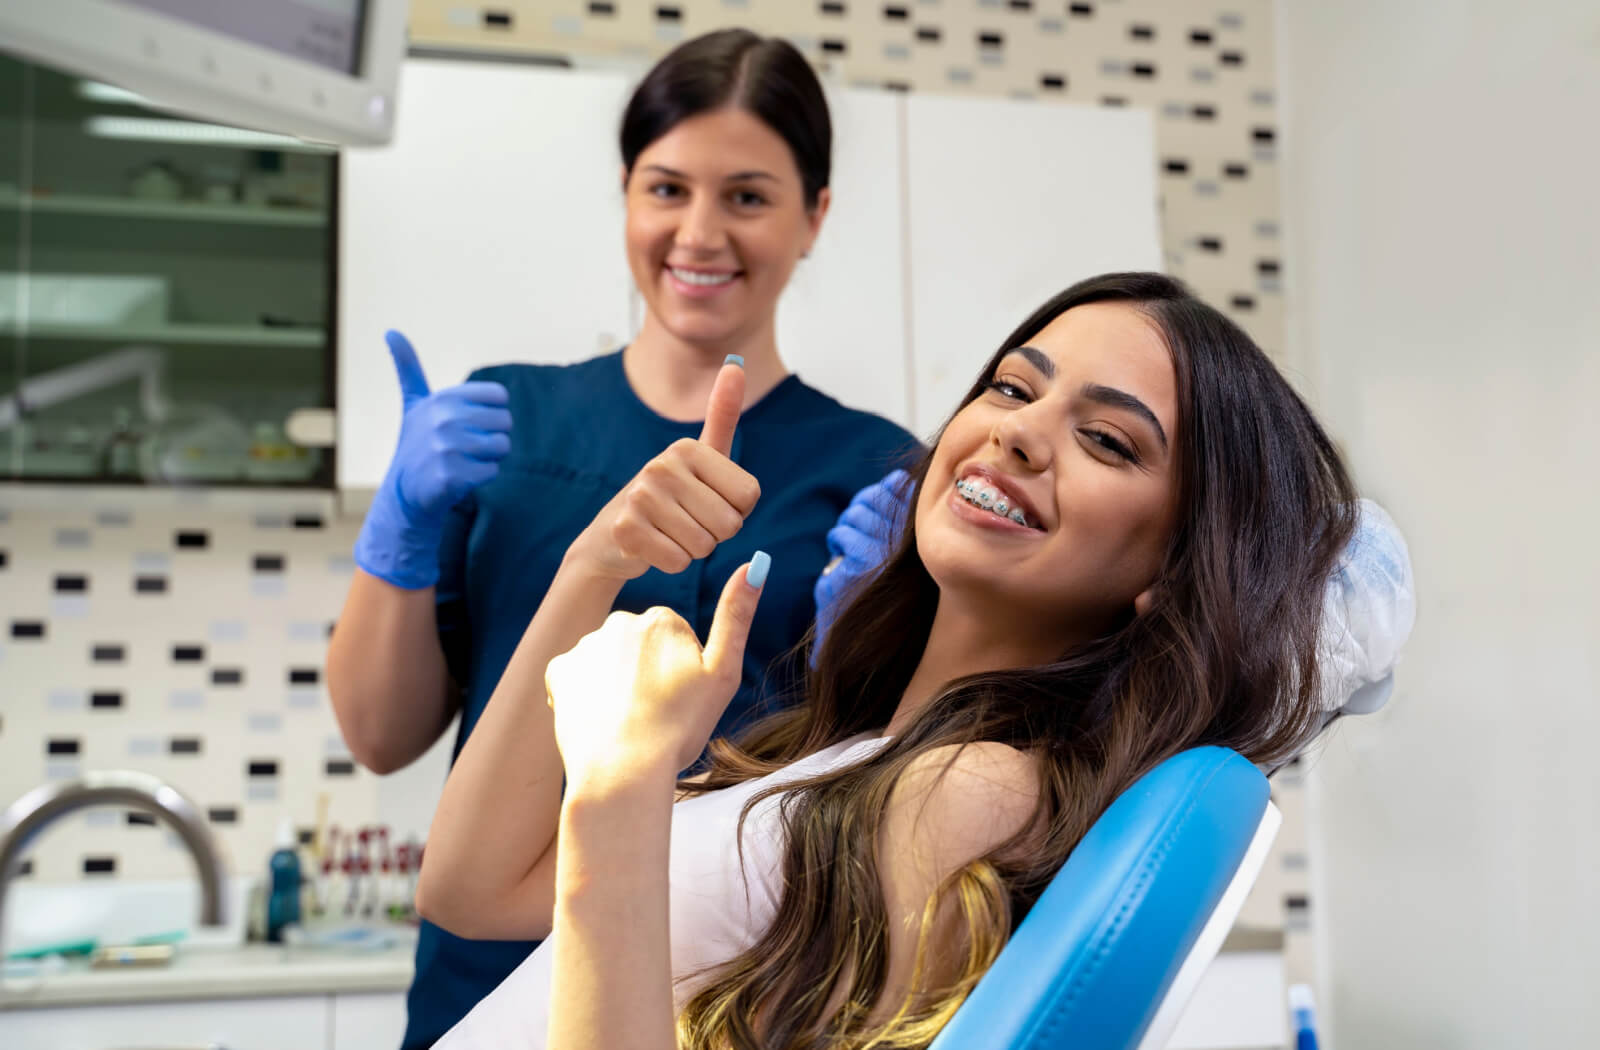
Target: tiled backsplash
{"x": 186, "y": 643}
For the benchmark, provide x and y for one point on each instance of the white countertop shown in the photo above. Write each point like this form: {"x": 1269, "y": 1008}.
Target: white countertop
{"x": 249, "y": 971}
{"x": 261, "y": 970}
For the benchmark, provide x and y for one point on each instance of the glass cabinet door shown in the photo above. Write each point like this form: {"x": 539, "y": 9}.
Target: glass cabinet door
{"x": 165, "y": 291}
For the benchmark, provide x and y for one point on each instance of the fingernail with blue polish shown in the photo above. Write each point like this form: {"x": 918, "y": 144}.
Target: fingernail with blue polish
{"x": 756, "y": 574}
{"x": 733, "y": 359}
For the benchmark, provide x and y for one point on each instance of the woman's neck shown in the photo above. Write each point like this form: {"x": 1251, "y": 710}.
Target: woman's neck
{"x": 673, "y": 377}
{"x": 965, "y": 641}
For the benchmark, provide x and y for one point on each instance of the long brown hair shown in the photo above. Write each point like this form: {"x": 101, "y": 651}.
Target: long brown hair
{"x": 1226, "y": 655}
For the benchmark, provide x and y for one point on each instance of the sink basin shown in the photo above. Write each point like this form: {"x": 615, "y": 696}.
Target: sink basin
{"x": 114, "y": 912}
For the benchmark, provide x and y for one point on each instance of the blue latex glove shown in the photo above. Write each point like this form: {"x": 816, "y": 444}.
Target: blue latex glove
{"x": 451, "y": 442}
{"x": 858, "y": 544}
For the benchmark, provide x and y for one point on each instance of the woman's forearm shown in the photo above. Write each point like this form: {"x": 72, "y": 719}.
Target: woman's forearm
{"x": 497, "y": 816}
{"x": 612, "y": 973}
{"x": 386, "y": 674}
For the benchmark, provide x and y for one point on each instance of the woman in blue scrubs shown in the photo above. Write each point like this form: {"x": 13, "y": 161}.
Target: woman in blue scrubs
{"x": 725, "y": 166}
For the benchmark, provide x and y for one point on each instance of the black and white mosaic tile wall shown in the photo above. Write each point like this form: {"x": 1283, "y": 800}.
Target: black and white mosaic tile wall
{"x": 186, "y": 643}
{"x": 1205, "y": 67}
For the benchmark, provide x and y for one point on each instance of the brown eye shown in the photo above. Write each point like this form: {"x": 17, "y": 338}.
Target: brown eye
{"x": 1111, "y": 443}
{"x": 1009, "y": 391}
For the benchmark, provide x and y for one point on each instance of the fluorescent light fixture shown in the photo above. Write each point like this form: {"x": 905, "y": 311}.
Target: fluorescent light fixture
{"x": 95, "y": 91}
{"x": 189, "y": 132}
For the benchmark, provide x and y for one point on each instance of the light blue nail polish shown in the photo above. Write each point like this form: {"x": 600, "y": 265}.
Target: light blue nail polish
{"x": 733, "y": 359}
{"x": 756, "y": 574}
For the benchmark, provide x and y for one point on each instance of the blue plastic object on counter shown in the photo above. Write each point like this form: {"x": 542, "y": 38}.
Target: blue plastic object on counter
{"x": 283, "y": 895}
{"x": 1303, "y": 1008}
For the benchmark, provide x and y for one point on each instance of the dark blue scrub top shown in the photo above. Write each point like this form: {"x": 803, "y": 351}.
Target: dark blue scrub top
{"x": 579, "y": 434}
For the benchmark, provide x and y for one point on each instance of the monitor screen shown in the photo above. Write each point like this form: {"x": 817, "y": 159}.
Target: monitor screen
{"x": 326, "y": 33}
{"x": 324, "y": 70}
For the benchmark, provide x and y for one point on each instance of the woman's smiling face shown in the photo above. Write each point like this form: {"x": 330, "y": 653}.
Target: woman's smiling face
{"x": 1051, "y": 498}
{"x": 716, "y": 220}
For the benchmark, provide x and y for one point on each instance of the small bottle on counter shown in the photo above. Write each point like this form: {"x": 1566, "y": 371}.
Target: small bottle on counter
{"x": 283, "y": 883}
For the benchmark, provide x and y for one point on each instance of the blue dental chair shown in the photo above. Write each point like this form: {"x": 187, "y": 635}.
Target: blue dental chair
{"x": 1116, "y": 945}
{"x": 1111, "y": 953}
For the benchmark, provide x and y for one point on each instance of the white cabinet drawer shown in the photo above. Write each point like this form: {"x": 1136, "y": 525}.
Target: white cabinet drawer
{"x": 298, "y": 1022}
{"x": 369, "y": 1022}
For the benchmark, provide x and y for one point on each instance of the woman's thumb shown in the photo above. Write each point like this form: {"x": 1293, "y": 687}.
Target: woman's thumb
{"x": 736, "y": 610}
{"x": 413, "y": 383}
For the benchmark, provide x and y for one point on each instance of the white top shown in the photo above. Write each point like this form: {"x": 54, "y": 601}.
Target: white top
{"x": 717, "y": 908}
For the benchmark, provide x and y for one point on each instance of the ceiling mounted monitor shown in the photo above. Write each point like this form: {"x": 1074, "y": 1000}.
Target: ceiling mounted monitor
{"x": 323, "y": 70}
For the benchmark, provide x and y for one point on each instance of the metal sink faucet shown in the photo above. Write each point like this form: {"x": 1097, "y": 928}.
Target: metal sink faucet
{"x": 31, "y": 813}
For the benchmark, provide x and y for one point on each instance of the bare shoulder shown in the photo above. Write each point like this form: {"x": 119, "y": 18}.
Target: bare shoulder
{"x": 963, "y": 799}
{"x": 992, "y": 771}
{"x": 951, "y": 806}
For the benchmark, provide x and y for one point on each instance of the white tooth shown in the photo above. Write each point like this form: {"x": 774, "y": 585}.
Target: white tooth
{"x": 703, "y": 279}
{"x": 990, "y": 499}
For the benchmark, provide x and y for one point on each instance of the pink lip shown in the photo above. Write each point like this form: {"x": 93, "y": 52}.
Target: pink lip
{"x": 1012, "y": 491}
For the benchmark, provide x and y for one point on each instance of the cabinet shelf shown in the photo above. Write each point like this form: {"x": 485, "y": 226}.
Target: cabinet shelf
{"x": 214, "y": 334}
{"x": 182, "y": 211}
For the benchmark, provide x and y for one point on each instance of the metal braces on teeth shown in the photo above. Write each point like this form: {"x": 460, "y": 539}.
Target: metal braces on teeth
{"x": 977, "y": 494}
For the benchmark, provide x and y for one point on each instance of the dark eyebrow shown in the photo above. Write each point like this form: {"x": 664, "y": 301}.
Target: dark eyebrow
{"x": 1103, "y": 395}
{"x": 1111, "y": 396}
{"x": 1038, "y": 359}
{"x": 737, "y": 176}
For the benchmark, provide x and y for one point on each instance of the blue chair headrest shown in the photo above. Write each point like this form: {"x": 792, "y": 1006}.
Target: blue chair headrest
{"x": 1092, "y": 961}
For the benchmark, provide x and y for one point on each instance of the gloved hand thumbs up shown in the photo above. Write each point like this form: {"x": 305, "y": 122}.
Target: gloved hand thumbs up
{"x": 451, "y": 441}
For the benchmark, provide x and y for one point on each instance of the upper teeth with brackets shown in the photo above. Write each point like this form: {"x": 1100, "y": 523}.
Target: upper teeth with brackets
{"x": 992, "y": 499}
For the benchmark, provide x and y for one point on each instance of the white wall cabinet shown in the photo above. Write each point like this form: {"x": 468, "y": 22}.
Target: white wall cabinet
{"x": 1008, "y": 203}
{"x": 491, "y": 231}
{"x": 841, "y": 321}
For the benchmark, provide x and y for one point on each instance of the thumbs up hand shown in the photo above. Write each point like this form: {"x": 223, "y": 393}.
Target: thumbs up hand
{"x": 683, "y": 502}
{"x": 640, "y": 693}
{"x": 451, "y": 441}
